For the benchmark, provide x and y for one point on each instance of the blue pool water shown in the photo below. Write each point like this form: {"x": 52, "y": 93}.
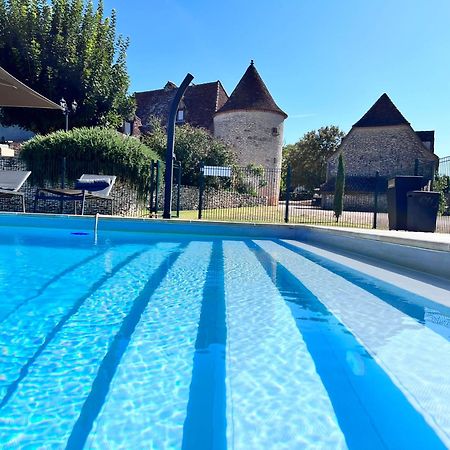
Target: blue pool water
{"x": 129, "y": 341}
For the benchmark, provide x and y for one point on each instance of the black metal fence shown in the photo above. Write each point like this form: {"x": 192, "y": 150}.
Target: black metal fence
{"x": 255, "y": 194}
{"x": 240, "y": 194}
{"x": 132, "y": 195}
{"x": 444, "y": 166}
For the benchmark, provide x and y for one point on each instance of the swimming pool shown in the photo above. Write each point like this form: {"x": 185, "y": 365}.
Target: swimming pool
{"x": 141, "y": 340}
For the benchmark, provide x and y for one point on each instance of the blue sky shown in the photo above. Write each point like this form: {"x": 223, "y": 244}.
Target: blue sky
{"x": 324, "y": 61}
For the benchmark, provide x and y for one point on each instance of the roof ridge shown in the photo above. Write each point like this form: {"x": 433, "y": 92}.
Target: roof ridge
{"x": 162, "y": 89}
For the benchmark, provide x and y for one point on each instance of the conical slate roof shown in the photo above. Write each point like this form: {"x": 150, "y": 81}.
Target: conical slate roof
{"x": 382, "y": 113}
{"x": 251, "y": 94}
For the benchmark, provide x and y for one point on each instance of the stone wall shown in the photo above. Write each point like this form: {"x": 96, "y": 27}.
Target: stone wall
{"x": 252, "y": 135}
{"x": 363, "y": 201}
{"x": 391, "y": 150}
{"x": 256, "y": 136}
{"x": 212, "y": 199}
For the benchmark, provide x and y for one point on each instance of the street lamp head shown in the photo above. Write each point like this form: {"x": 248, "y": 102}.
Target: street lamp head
{"x": 63, "y": 104}
{"x": 74, "y": 106}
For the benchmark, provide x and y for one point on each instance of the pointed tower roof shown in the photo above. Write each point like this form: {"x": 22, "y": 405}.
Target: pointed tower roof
{"x": 382, "y": 113}
{"x": 251, "y": 94}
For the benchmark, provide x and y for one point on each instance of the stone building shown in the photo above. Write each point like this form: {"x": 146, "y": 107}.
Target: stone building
{"x": 249, "y": 119}
{"x": 384, "y": 141}
{"x": 252, "y": 122}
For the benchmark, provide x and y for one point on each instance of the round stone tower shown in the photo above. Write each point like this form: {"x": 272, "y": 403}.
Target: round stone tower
{"x": 252, "y": 123}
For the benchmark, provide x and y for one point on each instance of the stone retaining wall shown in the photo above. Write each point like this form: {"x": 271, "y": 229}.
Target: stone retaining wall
{"x": 212, "y": 199}
{"x": 125, "y": 199}
{"x": 363, "y": 202}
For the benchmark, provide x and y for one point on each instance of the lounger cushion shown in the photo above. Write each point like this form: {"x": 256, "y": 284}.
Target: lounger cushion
{"x": 92, "y": 185}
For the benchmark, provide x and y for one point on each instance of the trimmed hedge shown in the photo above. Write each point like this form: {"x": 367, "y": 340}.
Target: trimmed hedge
{"x": 89, "y": 150}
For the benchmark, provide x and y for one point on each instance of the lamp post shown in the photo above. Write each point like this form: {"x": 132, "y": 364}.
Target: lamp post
{"x": 168, "y": 174}
{"x": 66, "y": 110}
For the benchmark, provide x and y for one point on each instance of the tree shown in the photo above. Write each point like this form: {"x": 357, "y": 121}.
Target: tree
{"x": 338, "y": 203}
{"x": 192, "y": 147}
{"x": 65, "y": 48}
{"x": 308, "y": 157}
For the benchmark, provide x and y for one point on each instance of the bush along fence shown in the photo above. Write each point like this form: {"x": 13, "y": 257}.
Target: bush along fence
{"x": 442, "y": 185}
{"x": 126, "y": 197}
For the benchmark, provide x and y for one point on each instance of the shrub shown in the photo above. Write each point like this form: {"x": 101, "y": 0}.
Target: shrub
{"x": 89, "y": 150}
{"x": 192, "y": 147}
{"x": 442, "y": 185}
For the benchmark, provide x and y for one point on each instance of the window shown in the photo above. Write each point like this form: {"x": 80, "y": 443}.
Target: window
{"x": 180, "y": 115}
{"x": 275, "y": 132}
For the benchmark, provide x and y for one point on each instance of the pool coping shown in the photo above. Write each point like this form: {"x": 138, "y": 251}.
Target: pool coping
{"x": 423, "y": 252}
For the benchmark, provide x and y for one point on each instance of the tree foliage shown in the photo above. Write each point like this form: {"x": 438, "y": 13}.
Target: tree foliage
{"x": 65, "y": 48}
{"x": 89, "y": 150}
{"x": 338, "y": 202}
{"x": 308, "y": 157}
{"x": 193, "y": 146}
{"x": 442, "y": 185}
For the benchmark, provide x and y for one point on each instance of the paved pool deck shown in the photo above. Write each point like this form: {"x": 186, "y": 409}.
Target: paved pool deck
{"x": 432, "y": 241}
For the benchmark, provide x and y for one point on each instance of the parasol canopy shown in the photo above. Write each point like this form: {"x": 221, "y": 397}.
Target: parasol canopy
{"x": 15, "y": 93}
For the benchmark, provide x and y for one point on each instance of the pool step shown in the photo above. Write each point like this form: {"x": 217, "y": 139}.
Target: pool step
{"x": 339, "y": 359}
{"x": 205, "y": 424}
{"x": 22, "y": 279}
{"x": 28, "y": 328}
{"x": 148, "y": 397}
{"x": 275, "y": 398}
{"x": 48, "y": 401}
{"x": 407, "y": 351}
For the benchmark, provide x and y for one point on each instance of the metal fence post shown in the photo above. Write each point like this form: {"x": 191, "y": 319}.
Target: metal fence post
{"x": 152, "y": 187}
{"x": 288, "y": 193}
{"x": 156, "y": 187}
{"x": 63, "y": 182}
{"x": 200, "y": 192}
{"x": 178, "y": 188}
{"x": 375, "y": 200}
{"x": 63, "y": 173}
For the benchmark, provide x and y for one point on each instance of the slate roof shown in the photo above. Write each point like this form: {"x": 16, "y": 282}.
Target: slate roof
{"x": 200, "y": 101}
{"x": 382, "y": 113}
{"x": 251, "y": 94}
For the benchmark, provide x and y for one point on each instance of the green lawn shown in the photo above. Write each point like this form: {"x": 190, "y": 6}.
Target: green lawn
{"x": 275, "y": 214}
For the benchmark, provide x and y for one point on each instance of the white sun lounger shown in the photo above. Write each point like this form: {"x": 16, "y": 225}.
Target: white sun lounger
{"x": 88, "y": 186}
{"x": 10, "y": 183}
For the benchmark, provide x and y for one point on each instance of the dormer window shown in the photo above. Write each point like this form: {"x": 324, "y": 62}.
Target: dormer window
{"x": 180, "y": 116}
